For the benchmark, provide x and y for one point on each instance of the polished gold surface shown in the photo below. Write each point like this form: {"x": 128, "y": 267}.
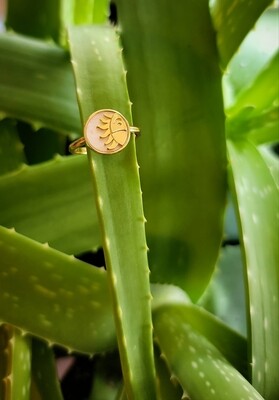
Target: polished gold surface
{"x": 106, "y": 132}
{"x": 78, "y": 146}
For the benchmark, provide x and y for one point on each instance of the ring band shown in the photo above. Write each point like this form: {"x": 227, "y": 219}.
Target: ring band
{"x": 106, "y": 132}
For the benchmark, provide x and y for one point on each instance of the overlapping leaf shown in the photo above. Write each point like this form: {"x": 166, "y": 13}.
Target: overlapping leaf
{"x": 178, "y": 106}
{"x": 233, "y": 19}
{"x": 43, "y": 202}
{"x": 256, "y": 197}
{"x": 101, "y": 84}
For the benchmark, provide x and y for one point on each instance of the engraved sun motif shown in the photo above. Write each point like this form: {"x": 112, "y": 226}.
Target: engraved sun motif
{"x": 115, "y": 130}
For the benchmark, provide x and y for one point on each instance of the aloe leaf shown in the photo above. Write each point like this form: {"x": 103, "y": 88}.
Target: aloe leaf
{"x": 260, "y": 129}
{"x": 255, "y": 52}
{"x": 267, "y": 130}
{"x": 256, "y": 198}
{"x": 72, "y": 295}
{"x": 167, "y": 294}
{"x": 232, "y": 345}
{"x": 107, "y": 378}
{"x": 11, "y": 148}
{"x": 67, "y": 300}
{"x": 42, "y": 282}
{"x": 252, "y": 96}
{"x": 271, "y": 160}
{"x": 101, "y": 11}
{"x": 82, "y": 11}
{"x": 76, "y": 12}
{"x": 3, "y": 362}
{"x": 121, "y": 395}
{"x": 15, "y": 361}
{"x": 168, "y": 386}
{"x": 49, "y": 18}
{"x": 44, "y": 371}
{"x": 233, "y": 19}
{"x": 225, "y": 295}
{"x": 101, "y": 84}
{"x": 36, "y": 84}
{"x": 51, "y": 209}
{"x": 38, "y": 19}
{"x": 254, "y": 115}
{"x": 196, "y": 363}
{"x": 34, "y": 393}
{"x": 11, "y": 156}
{"x": 3, "y": 358}
{"x": 178, "y": 105}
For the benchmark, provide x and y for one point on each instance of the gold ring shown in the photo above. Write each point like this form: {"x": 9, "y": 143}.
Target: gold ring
{"x": 106, "y": 132}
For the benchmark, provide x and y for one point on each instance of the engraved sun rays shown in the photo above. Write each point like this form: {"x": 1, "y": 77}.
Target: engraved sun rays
{"x": 107, "y": 131}
{"x": 115, "y": 130}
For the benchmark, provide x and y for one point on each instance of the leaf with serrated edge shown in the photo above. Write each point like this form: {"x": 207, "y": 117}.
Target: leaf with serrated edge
{"x": 37, "y": 84}
{"x": 102, "y": 84}
{"x": 11, "y": 148}
{"x": 15, "y": 361}
{"x": 53, "y": 295}
{"x": 44, "y": 371}
{"x": 256, "y": 199}
{"x": 43, "y": 202}
{"x": 178, "y": 106}
{"x": 195, "y": 362}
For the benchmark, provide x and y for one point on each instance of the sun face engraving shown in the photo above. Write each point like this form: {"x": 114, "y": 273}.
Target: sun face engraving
{"x": 107, "y": 132}
{"x": 114, "y": 130}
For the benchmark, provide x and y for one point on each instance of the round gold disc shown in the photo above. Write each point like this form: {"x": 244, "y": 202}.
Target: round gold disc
{"x": 107, "y": 131}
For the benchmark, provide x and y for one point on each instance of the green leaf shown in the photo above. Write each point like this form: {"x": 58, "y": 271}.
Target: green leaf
{"x": 175, "y": 83}
{"x": 233, "y": 19}
{"x": 261, "y": 95}
{"x": 85, "y": 12}
{"x": 77, "y": 12}
{"x": 271, "y": 160}
{"x": 256, "y": 198}
{"x": 253, "y": 55}
{"x": 54, "y": 296}
{"x": 121, "y": 395}
{"x": 195, "y": 362}
{"x": 101, "y": 84}
{"x": 267, "y": 129}
{"x": 56, "y": 204}
{"x": 106, "y": 378}
{"x": 168, "y": 387}
{"x": 37, "y": 84}
{"x": 33, "y": 18}
{"x": 44, "y": 371}
{"x": 11, "y": 148}
{"x": 255, "y": 112}
{"x": 101, "y": 11}
{"x": 221, "y": 335}
{"x": 225, "y": 295}
{"x": 15, "y": 362}
{"x": 49, "y": 18}
{"x": 232, "y": 345}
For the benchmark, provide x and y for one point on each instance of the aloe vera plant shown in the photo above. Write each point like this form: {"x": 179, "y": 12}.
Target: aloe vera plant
{"x": 187, "y": 316}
